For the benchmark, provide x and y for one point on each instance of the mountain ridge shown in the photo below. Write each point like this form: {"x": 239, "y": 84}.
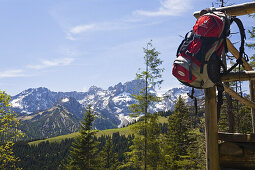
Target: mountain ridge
{"x": 111, "y": 105}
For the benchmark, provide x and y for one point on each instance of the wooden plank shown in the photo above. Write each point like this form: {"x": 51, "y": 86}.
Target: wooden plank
{"x": 211, "y": 130}
{"x": 235, "y": 10}
{"x": 249, "y": 72}
{"x": 238, "y": 97}
{"x": 242, "y": 76}
{"x": 237, "y": 155}
{"x": 236, "y": 137}
{"x": 230, "y": 148}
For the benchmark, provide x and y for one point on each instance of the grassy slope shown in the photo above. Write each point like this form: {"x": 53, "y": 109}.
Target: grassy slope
{"x": 122, "y": 131}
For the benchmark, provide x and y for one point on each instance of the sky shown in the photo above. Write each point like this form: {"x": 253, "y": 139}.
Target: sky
{"x": 70, "y": 45}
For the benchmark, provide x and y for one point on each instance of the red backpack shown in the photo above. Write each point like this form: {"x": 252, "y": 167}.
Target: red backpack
{"x": 198, "y": 63}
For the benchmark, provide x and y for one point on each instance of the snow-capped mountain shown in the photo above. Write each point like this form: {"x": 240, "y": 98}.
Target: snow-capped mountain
{"x": 111, "y": 105}
{"x": 34, "y": 100}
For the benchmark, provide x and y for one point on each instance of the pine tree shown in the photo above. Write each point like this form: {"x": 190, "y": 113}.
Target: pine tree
{"x": 181, "y": 149}
{"x": 146, "y": 136}
{"x": 84, "y": 148}
{"x": 243, "y": 119}
{"x": 109, "y": 159}
{"x": 8, "y": 133}
{"x": 154, "y": 140}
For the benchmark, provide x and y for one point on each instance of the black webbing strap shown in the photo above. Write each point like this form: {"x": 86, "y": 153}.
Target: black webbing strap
{"x": 242, "y": 33}
{"x": 193, "y": 97}
{"x": 182, "y": 45}
{"x": 220, "y": 90}
{"x": 241, "y": 49}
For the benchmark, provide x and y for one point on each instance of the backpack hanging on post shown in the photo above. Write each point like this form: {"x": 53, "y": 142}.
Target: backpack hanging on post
{"x": 198, "y": 63}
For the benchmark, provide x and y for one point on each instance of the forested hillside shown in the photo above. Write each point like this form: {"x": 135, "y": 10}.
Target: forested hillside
{"x": 50, "y": 155}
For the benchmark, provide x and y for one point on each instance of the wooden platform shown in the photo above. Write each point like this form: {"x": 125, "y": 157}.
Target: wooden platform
{"x": 237, "y": 151}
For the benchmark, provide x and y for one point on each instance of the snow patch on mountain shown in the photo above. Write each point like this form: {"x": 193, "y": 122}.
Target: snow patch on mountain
{"x": 18, "y": 101}
{"x": 65, "y": 100}
{"x": 125, "y": 120}
{"x": 122, "y": 98}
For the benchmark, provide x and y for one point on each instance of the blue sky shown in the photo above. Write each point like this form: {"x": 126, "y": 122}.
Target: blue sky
{"x": 70, "y": 45}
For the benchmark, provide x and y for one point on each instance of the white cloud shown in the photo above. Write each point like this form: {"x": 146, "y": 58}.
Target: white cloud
{"x": 52, "y": 63}
{"x": 82, "y": 28}
{"x": 12, "y": 73}
{"x": 122, "y": 24}
{"x": 168, "y": 8}
{"x": 70, "y": 37}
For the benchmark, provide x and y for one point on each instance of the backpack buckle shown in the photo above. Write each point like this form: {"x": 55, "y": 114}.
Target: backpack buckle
{"x": 188, "y": 53}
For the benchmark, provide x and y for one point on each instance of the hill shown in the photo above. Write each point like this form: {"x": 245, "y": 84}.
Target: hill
{"x": 122, "y": 131}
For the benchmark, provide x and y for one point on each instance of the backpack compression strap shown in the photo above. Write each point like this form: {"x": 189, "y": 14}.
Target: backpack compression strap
{"x": 220, "y": 89}
{"x": 195, "y": 99}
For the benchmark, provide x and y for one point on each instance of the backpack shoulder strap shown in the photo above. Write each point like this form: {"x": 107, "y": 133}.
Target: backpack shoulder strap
{"x": 188, "y": 36}
{"x": 243, "y": 37}
{"x": 242, "y": 33}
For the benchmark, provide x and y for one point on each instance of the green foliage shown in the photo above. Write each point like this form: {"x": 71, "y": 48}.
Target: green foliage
{"x": 136, "y": 156}
{"x": 84, "y": 148}
{"x": 8, "y": 133}
{"x": 145, "y": 151}
{"x": 243, "y": 120}
{"x": 182, "y": 142}
{"x": 251, "y": 45}
{"x": 242, "y": 117}
{"x": 49, "y": 155}
{"x": 7, "y": 157}
{"x": 150, "y": 78}
{"x": 251, "y": 34}
{"x": 109, "y": 158}
{"x": 45, "y": 155}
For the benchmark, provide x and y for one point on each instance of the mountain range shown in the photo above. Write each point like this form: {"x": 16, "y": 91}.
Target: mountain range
{"x": 45, "y": 113}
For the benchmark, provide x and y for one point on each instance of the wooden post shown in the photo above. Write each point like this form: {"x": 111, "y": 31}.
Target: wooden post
{"x": 252, "y": 97}
{"x": 211, "y": 130}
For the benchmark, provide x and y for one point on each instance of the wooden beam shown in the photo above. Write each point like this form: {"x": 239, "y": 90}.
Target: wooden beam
{"x": 236, "y": 137}
{"x": 238, "y": 97}
{"x": 242, "y": 76}
{"x": 235, "y": 10}
{"x": 211, "y": 130}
